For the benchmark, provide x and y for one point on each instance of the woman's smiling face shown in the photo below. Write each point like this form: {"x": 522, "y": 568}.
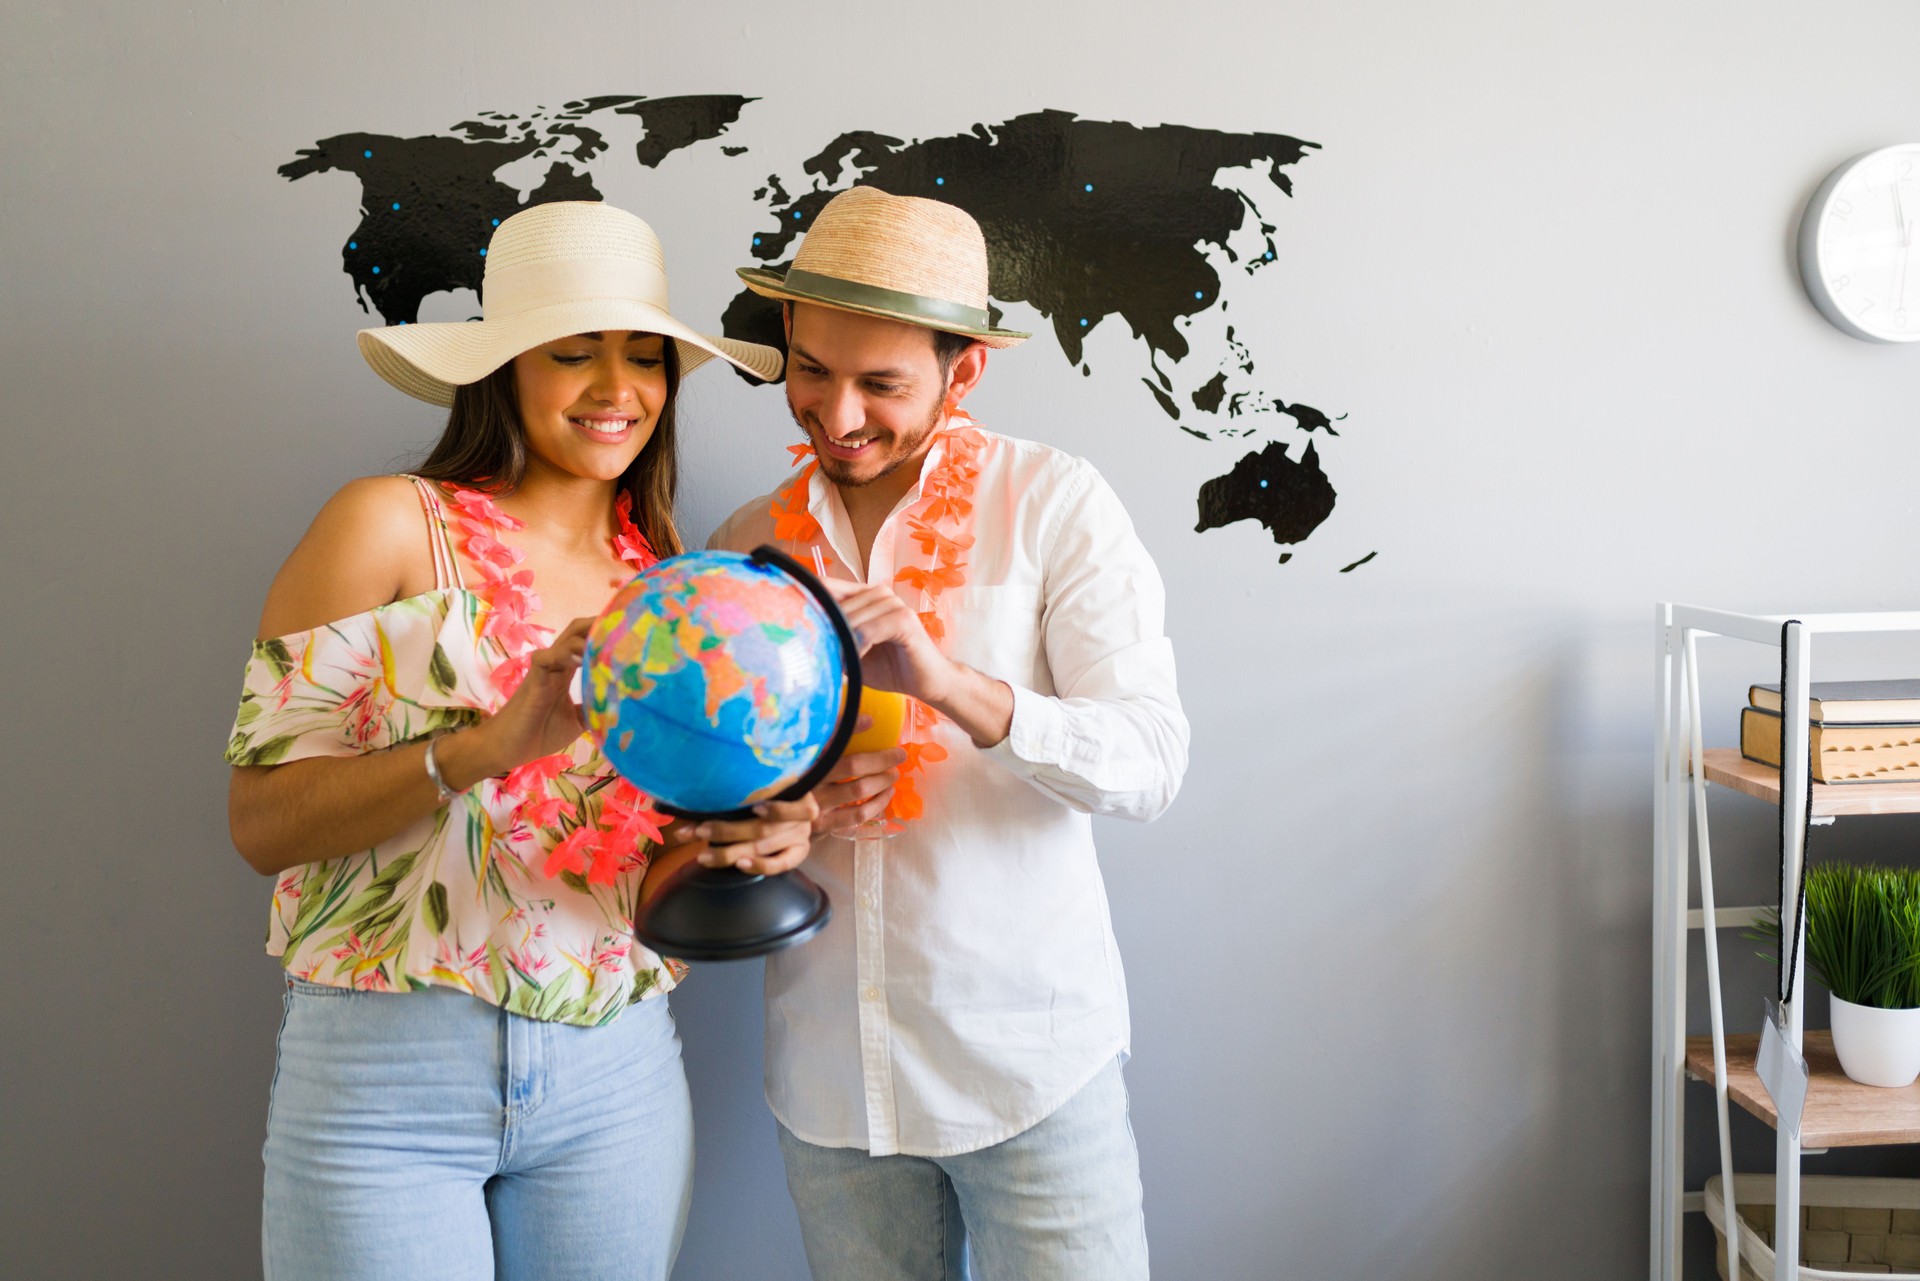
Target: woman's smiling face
{"x": 589, "y": 402}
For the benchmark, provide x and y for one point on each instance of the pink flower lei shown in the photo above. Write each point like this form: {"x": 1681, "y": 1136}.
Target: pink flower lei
{"x": 613, "y": 842}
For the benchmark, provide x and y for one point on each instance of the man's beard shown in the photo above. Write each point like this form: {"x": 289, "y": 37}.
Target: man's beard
{"x": 841, "y": 472}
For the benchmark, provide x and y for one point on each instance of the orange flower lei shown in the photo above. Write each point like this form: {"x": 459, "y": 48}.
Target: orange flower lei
{"x": 940, "y": 525}
{"x": 612, "y": 845}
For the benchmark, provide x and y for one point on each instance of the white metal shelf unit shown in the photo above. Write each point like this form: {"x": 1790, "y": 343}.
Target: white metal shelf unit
{"x": 1679, "y": 789}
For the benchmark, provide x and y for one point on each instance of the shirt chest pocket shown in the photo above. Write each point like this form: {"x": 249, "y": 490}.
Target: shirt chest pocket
{"x": 997, "y": 630}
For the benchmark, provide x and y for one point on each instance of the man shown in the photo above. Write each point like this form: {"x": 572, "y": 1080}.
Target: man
{"x": 944, "y": 1059}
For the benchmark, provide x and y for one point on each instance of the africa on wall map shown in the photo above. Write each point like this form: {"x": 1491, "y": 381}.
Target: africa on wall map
{"x": 1086, "y": 221}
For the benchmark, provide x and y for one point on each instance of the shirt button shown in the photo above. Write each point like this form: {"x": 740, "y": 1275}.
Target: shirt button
{"x": 873, "y": 994}
{"x": 866, "y": 900}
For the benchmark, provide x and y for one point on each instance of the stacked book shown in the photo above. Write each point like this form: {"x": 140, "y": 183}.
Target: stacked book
{"x": 1859, "y": 731}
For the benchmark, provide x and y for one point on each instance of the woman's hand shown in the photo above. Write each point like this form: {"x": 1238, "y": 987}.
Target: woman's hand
{"x": 777, "y": 840}
{"x": 541, "y": 718}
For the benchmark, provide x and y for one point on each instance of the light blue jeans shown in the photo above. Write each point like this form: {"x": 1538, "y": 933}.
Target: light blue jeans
{"x": 1060, "y": 1202}
{"x": 428, "y": 1135}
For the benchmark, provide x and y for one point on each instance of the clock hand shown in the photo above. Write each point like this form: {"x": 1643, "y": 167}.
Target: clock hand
{"x": 1900, "y": 290}
{"x": 1900, "y": 212}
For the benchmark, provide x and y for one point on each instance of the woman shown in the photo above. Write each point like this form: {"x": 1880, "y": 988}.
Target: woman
{"x": 477, "y": 1075}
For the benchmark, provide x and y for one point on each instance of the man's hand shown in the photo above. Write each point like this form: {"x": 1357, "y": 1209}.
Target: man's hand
{"x": 860, "y": 788}
{"x": 897, "y": 654}
{"x": 895, "y": 651}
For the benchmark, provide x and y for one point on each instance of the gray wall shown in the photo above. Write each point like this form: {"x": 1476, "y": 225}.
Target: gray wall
{"x": 1389, "y": 952}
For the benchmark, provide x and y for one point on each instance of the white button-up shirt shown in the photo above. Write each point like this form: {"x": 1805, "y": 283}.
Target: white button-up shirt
{"x": 969, "y": 982}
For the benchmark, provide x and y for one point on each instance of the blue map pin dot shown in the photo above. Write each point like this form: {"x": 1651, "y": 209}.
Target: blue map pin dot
{"x": 376, "y": 271}
{"x": 353, "y": 244}
{"x": 939, "y": 182}
{"x": 1083, "y": 322}
{"x": 1089, "y": 186}
{"x": 396, "y": 206}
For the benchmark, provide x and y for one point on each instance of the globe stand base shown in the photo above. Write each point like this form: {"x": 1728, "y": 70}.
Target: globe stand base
{"x": 720, "y": 914}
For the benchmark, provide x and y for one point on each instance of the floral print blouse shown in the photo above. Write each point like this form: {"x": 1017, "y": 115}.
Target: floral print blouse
{"x": 522, "y": 891}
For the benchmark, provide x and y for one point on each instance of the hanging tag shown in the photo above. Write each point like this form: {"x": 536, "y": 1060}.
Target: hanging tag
{"x": 1782, "y": 1071}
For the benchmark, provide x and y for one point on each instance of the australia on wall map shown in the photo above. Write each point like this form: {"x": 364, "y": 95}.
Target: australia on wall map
{"x": 1088, "y": 222}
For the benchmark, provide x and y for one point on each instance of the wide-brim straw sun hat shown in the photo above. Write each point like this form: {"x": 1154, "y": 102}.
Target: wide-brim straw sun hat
{"x": 905, "y": 258}
{"x": 561, "y": 268}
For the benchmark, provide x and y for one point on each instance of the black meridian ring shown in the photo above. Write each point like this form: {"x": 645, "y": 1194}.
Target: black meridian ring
{"x": 849, "y": 648}
{"x": 849, "y": 710}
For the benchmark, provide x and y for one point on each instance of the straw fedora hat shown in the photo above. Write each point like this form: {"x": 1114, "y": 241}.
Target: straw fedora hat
{"x": 565, "y": 267}
{"x": 923, "y": 262}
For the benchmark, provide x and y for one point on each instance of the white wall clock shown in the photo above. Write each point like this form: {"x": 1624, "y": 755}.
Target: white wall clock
{"x": 1858, "y": 255}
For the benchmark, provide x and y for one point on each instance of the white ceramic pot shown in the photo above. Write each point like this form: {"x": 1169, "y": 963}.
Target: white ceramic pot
{"x": 1876, "y": 1047}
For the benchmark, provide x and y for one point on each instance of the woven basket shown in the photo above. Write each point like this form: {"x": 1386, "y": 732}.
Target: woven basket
{"x": 1847, "y": 1227}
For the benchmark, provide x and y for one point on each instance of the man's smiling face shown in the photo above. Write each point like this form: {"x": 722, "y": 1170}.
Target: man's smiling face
{"x": 867, "y": 392}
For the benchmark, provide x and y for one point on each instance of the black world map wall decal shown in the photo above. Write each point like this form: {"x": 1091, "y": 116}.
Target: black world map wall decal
{"x": 1086, "y": 221}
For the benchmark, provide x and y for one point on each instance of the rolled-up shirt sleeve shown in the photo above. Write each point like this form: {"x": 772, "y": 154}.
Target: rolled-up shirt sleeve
{"x": 1112, "y": 739}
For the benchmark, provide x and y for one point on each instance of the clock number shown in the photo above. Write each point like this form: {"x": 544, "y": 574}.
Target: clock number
{"x": 1900, "y": 319}
{"x": 1843, "y": 208}
{"x": 1839, "y": 284}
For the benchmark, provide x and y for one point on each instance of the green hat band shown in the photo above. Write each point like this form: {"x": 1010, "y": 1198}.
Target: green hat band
{"x": 875, "y": 298}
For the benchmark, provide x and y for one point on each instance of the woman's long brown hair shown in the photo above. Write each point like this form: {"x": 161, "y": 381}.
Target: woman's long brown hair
{"x": 485, "y": 446}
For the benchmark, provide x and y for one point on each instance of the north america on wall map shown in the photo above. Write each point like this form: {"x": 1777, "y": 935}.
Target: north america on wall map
{"x": 1087, "y": 221}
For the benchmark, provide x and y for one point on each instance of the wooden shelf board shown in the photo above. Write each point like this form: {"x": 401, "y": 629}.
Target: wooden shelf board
{"x": 1725, "y": 766}
{"x": 1840, "y": 1113}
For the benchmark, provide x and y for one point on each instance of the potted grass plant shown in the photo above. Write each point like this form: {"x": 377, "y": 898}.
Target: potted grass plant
{"x": 1863, "y": 946}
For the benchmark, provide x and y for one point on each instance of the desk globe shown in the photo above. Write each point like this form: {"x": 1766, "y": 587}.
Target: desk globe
{"x": 713, "y": 681}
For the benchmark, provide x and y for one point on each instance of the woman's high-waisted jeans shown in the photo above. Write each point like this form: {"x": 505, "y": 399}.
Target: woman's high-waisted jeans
{"x": 428, "y": 1134}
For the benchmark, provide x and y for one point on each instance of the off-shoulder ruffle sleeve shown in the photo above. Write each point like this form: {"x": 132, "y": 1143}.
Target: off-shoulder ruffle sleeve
{"x": 392, "y": 674}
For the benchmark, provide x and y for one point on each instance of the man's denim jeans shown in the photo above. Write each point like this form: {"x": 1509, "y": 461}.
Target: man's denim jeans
{"x": 1059, "y": 1202}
